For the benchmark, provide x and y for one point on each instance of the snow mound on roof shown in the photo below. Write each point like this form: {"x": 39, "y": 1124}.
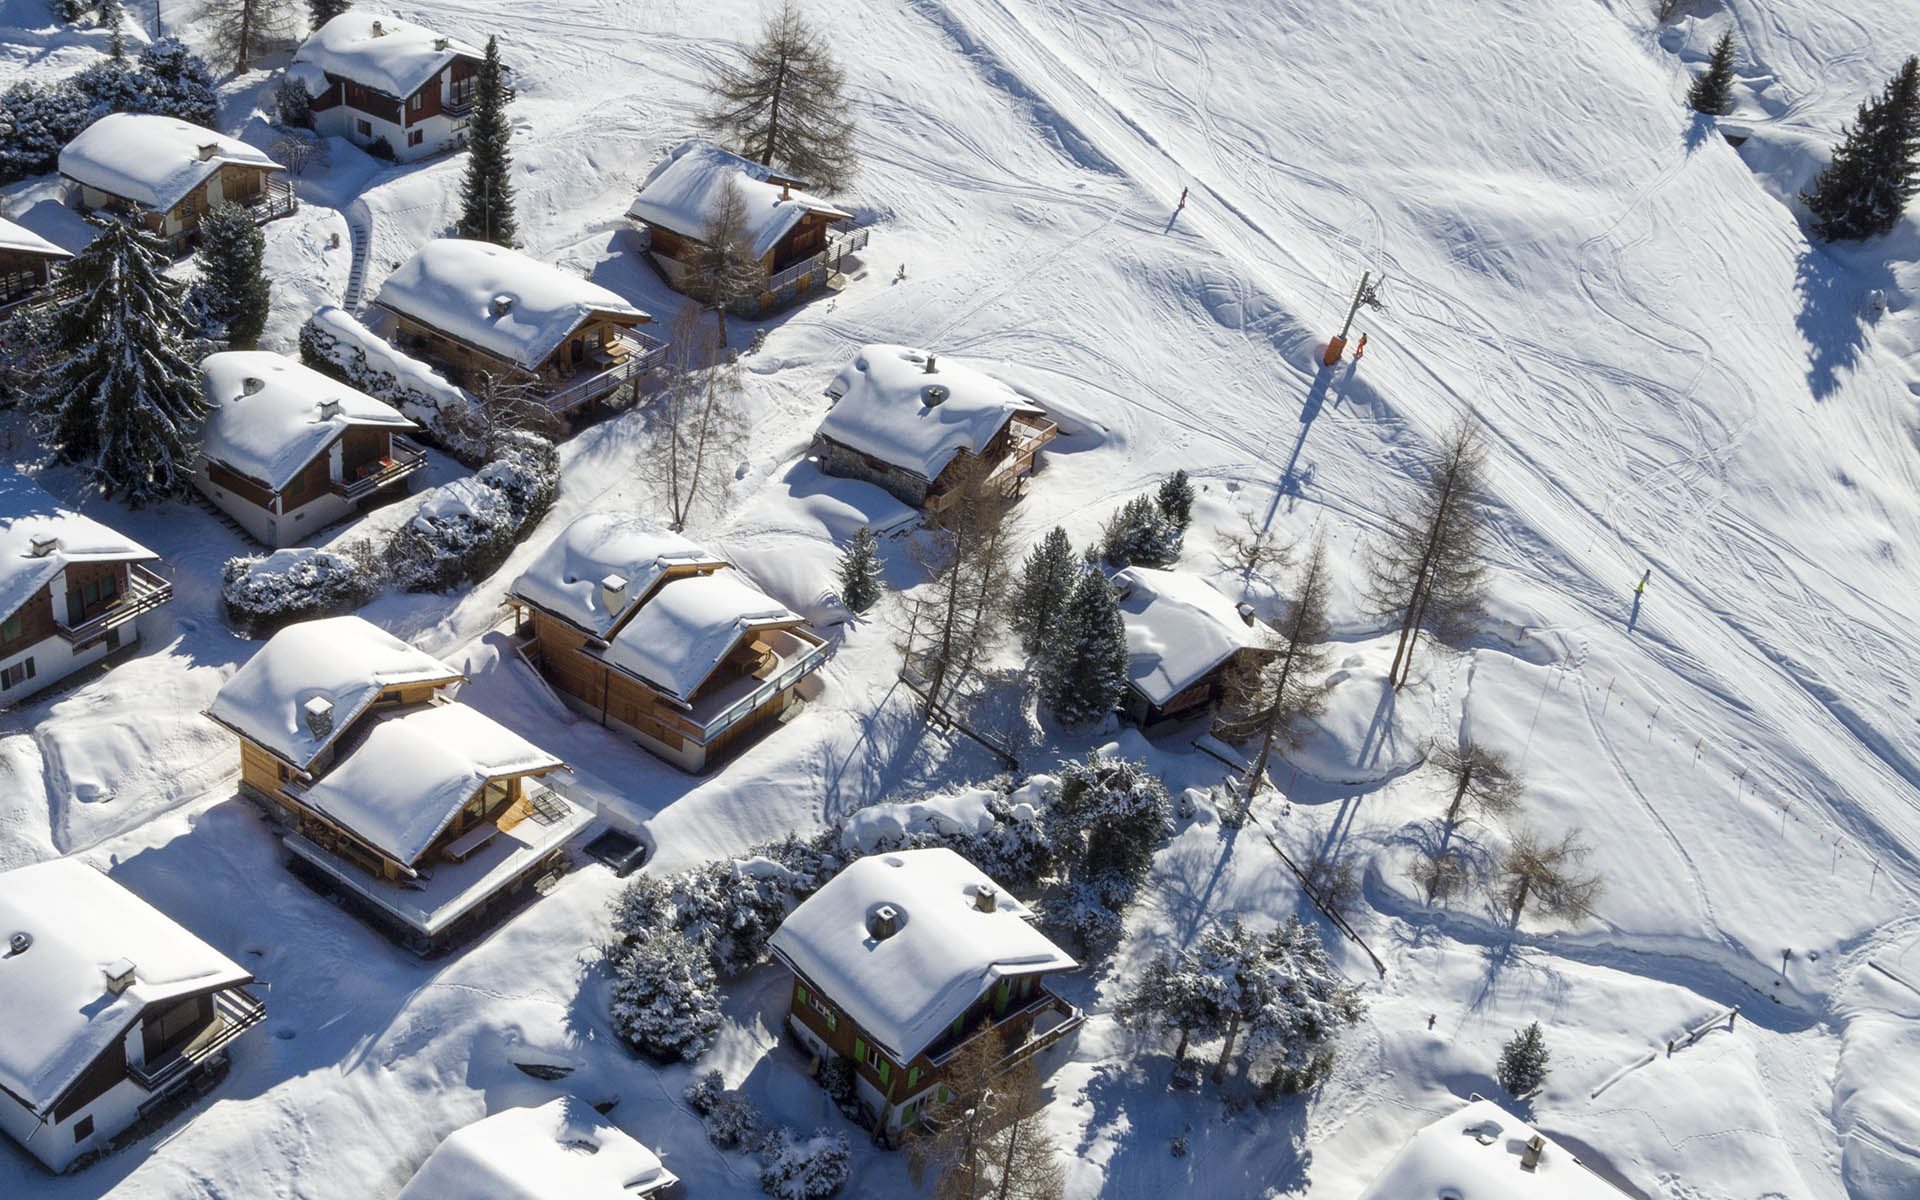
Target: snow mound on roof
{"x": 680, "y": 635}
{"x": 152, "y": 160}
{"x": 1475, "y": 1154}
{"x": 402, "y": 785}
{"x": 1370, "y": 732}
{"x": 397, "y": 60}
{"x": 789, "y": 534}
{"x": 1179, "y": 627}
{"x": 947, "y": 814}
{"x": 562, "y": 1148}
{"x": 906, "y": 989}
{"x": 25, "y": 241}
{"x": 28, "y": 513}
{"x": 886, "y": 408}
{"x": 59, "y": 1013}
{"x": 566, "y": 578}
{"x": 344, "y": 660}
{"x": 500, "y": 300}
{"x": 683, "y": 189}
{"x": 266, "y": 421}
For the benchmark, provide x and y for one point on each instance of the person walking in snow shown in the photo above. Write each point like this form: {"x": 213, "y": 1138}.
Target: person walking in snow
{"x": 1360, "y": 351}
{"x": 1183, "y": 198}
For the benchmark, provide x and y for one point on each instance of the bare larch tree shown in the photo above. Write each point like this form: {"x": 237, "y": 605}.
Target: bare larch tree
{"x": 696, "y": 424}
{"x": 723, "y": 268}
{"x": 968, "y": 553}
{"x": 783, "y": 104}
{"x": 1546, "y": 875}
{"x": 1268, "y": 698}
{"x": 1475, "y": 781}
{"x": 1428, "y": 569}
{"x": 243, "y": 30}
{"x": 992, "y": 1141}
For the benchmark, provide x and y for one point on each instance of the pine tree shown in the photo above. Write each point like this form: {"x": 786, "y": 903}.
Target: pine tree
{"x": 1712, "y": 93}
{"x": 783, "y": 104}
{"x": 666, "y": 1003}
{"x": 1523, "y": 1062}
{"x": 1876, "y": 166}
{"x": 860, "y": 582}
{"x": 1138, "y": 532}
{"x": 1269, "y": 697}
{"x": 1175, "y": 500}
{"x": 806, "y": 1168}
{"x": 1428, "y": 572}
{"x": 232, "y": 294}
{"x": 1047, "y": 579}
{"x": 1086, "y": 665}
{"x": 486, "y": 194}
{"x": 1175, "y": 995}
{"x": 723, "y": 268}
{"x": 1300, "y": 1007}
{"x": 175, "y": 82}
{"x": 322, "y": 11}
{"x": 1110, "y": 816}
{"x": 120, "y": 398}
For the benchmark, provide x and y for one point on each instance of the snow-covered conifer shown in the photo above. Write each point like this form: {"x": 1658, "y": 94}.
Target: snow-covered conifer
{"x": 1523, "y": 1062}
{"x": 860, "y": 582}
{"x": 232, "y": 294}
{"x": 486, "y": 193}
{"x": 1300, "y": 1007}
{"x": 1876, "y": 166}
{"x": 1712, "y": 93}
{"x": 120, "y": 398}
{"x": 174, "y": 82}
{"x": 1174, "y": 995}
{"x": 1046, "y": 582}
{"x": 292, "y": 104}
{"x": 322, "y": 11}
{"x": 1175, "y": 500}
{"x": 1138, "y": 532}
{"x": 1109, "y": 817}
{"x": 1086, "y": 658}
{"x": 806, "y": 1168}
{"x": 666, "y": 1003}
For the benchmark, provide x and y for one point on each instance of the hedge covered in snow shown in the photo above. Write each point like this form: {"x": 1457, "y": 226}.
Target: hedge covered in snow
{"x": 37, "y": 119}
{"x": 262, "y": 593}
{"x": 335, "y": 343}
{"x": 466, "y": 529}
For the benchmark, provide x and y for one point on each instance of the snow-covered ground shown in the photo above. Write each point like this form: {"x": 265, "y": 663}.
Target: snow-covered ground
{"x": 1670, "y": 375}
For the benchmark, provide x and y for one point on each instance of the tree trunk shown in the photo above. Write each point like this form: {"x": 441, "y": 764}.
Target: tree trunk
{"x": 1226, "y": 1051}
{"x": 1180, "y": 1048}
{"x": 1453, "y": 809}
{"x": 773, "y": 112}
{"x": 1014, "y": 1128}
{"x": 1259, "y": 769}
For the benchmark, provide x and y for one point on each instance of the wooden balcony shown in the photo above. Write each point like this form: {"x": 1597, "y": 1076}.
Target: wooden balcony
{"x": 145, "y": 591}
{"x": 1024, "y": 1021}
{"x": 404, "y": 459}
{"x": 275, "y": 200}
{"x": 234, "y": 1012}
{"x": 630, "y": 356}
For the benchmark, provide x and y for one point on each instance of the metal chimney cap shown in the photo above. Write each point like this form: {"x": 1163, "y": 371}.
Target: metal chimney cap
{"x": 20, "y": 942}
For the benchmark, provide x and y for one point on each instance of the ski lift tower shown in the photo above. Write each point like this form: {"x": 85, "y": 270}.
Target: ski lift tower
{"x": 1368, "y": 293}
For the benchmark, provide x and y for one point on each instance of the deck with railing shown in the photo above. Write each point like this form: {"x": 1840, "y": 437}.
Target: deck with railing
{"x": 744, "y": 707}
{"x": 1031, "y": 1012}
{"x": 275, "y": 200}
{"x": 403, "y": 460}
{"x": 145, "y": 591}
{"x": 235, "y": 1011}
{"x": 785, "y": 283}
{"x": 641, "y": 355}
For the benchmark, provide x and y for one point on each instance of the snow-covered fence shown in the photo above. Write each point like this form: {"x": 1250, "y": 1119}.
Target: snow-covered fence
{"x": 1326, "y": 909}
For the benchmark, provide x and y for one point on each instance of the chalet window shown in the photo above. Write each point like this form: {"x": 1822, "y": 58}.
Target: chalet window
{"x": 16, "y": 675}
{"x": 417, "y": 101}
{"x": 175, "y": 1023}
{"x": 878, "y": 1061}
{"x": 415, "y": 137}
{"x": 461, "y": 90}
{"x": 10, "y": 628}
{"x": 363, "y": 128}
{"x": 83, "y": 1128}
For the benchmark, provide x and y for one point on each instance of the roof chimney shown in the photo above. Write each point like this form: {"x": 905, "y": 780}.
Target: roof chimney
{"x": 613, "y": 593}
{"x": 884, "y": 923}
{"x": 986, "y": 897}
{"x": 319, "y": 716}
{"x": 378, "y": 30}
{"x": 119, "y": 975}
{"x": 933, "y": 395}
{"x": 502, "y": 305}
{"x": 786, "y": 189}
{"x": 208, "y": 150}
{"x": 1536, "y": 1146}
{"x": 44, "y": 544}
{"x": 441, "y": 43}
{"x": 329, "y": 408}
{"x": 931, "y": 366}
{"x": 251, "y": 385}
{"x": 19, "y": 942}
{"x": 1246, "y": 612}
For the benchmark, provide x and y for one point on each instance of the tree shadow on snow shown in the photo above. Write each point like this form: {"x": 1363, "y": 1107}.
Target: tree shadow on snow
{"x": 1829, "y": 318}
{"x": 1699, "y": 128}
{"x": 1233, "y": 1149}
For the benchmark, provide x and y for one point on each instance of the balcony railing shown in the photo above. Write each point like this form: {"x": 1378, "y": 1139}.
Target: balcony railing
{"x": 642, "y": 355}
{"x": 1031, "y": 1010}
{"x": 274, "y": 200}
{"x": 740, "y": 709}
{"x": 235, "y": 1011}
{"x": 145, "y": 591}
{"x": 785, "y": 283}
{"x": 404, "y": 459}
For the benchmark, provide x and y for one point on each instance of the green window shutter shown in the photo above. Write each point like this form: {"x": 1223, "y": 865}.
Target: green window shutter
{"x": 799, "y": 993}
{"x": 913, "y": 1076}
{"x": 886, "y": 1070}
{"x": 860, "y": 1049}
{"x": 907, "y": 1113}
{"x": 833, "y": 1021}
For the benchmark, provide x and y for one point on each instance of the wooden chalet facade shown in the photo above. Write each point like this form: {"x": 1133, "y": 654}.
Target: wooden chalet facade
{"x": 170, "y": 174}
{"x": 420, "y": 809}
{"x": 114, "y": 1011}
{"x": 918, "y": 425}
{"x": 381, "y": 82}
{"x": 904, "y": 960}
{"x": 71, "y": 590}
{"x": 477, "y": 312}
{"x": 1184, "y": 641}
{"x": 800, "y": 240}
{"x": 28, "y": 264}
{"x": 647, "y": 633}
{"x": 288, "y": 451}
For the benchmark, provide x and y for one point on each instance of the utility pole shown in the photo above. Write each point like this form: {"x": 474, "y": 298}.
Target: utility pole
{"x": 1368, "y": 293}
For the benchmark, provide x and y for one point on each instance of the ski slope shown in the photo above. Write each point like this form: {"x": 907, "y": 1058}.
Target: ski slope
{"x": 1669, "y": 375}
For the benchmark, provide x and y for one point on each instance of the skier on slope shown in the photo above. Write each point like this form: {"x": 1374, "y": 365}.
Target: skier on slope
{"x": 1641, "y": 590}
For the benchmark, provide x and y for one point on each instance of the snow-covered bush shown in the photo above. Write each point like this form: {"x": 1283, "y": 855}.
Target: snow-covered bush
{"x": 35, "y": 122}
{"x": 292, "y": 103}
{"x": 666, "y": 1003}
{"x": 837, "y": 1080}
{"x": 297, "y": 584}
{"x": 731, "y": 1120}
{"x": 1139, "y": 532}
{"x": 526, "y": 471}
{"x": 37, "y": 119}
{"x": 335, "y": 343}
{"x": 465, "y": 529}
{"x": 805, "y": 1168}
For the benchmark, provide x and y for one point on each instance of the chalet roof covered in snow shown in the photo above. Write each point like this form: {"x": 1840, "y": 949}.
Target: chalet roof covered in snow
{"x": 1179, "y": 627}
{"x": 59, "y": 1013}
{"x": 28, "y": 515}
{"x": 499, "y": 300}
{"x": 19, "y": 239}
{"x": 152, "y": 160}
{"x": 889, "y": 406}
{"x": 270, "y": 415}
{"x": 569, "y": 578}
{"x": 343, "y": 661}
{"x": 680, "y": 635}
{"x": 682, "y": 191}
{"x": 1475, "y": 1153}
{"x": 416, "y": 769}
{"x": 562, "y": 1148}
{"x": 905, "y": 989}
{"x": 397, "y": 59}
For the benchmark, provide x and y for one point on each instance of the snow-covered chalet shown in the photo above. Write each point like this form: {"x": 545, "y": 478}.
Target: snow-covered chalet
{"x": 914, "y": 423}
{"x": 480, "y": 311}
{"x": 1484, "y": 1152}
{"x": 903, "y": 960}
{"x": 288, "y": 451}
{"x": 1183, "y": 640}
{"x": 169, "y": 173}
{"x": 647, "y": 632}
{"x": 27, "y": 263}
{"x": 373, "y": 78}
{"x": 112, "y": 1010}
{"x": 562, "y": 1148}
{"x": 799, "y": 239}
{"x": 423, "y": 811}
{"x": 71, "y": 589}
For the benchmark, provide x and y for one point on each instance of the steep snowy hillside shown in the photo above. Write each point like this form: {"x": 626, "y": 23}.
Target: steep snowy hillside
{"x": 1671, "y": 377}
